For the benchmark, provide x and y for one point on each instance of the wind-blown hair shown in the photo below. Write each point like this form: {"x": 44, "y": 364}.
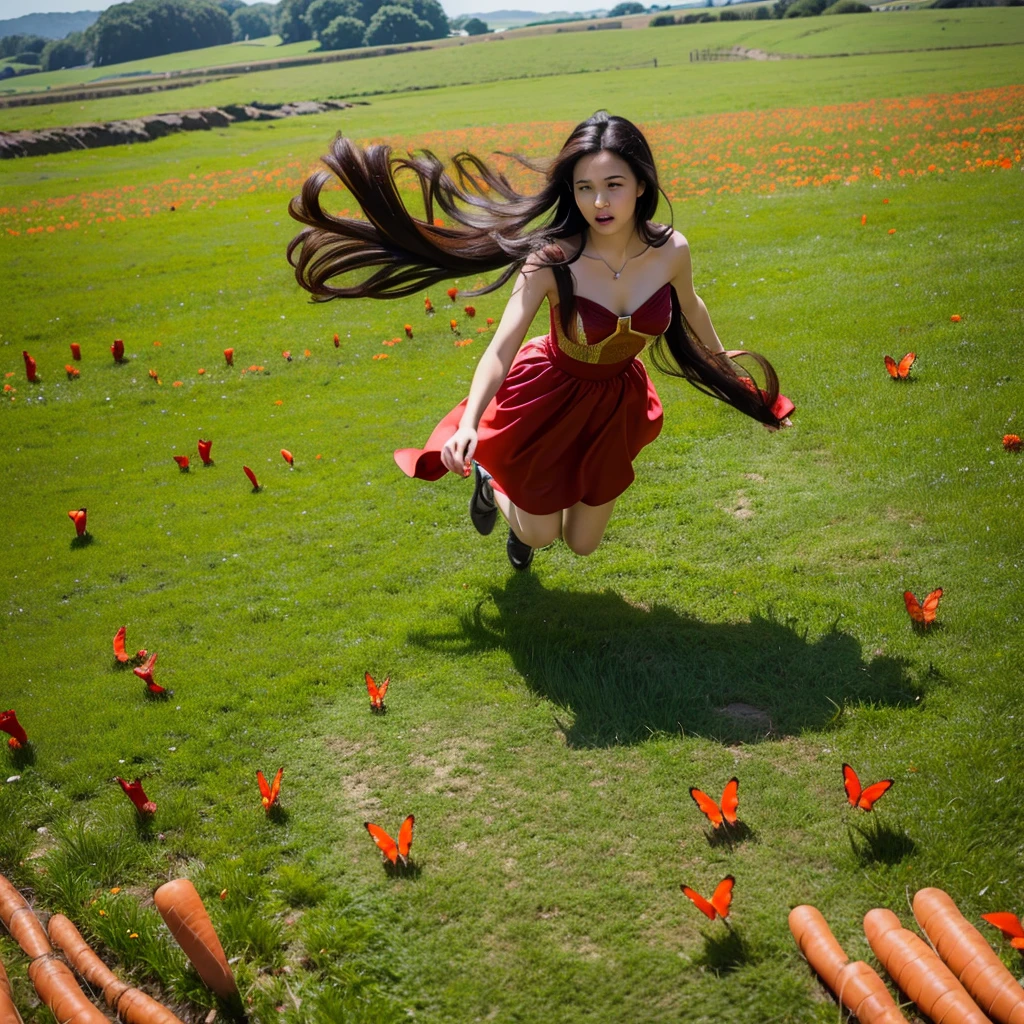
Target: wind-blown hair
{"x": 491, "y": 227}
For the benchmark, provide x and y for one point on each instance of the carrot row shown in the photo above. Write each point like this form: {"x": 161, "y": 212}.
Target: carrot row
{"x": 8, "y": 1011}
{"x": 21, "y": 922}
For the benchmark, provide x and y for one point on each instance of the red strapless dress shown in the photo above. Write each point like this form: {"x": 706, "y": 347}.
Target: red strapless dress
{"x": 570, "y": 416}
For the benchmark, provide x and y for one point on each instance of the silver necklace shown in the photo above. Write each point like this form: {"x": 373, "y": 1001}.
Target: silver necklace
{"x": 615, "y": 273}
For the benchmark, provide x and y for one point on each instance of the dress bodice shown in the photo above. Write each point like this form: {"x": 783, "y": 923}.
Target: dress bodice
{"x": 604, "y": 337}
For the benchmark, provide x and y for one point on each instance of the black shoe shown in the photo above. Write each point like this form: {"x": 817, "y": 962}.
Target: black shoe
{"x": 482, "y": 509}
{"x": 519, "y": 554}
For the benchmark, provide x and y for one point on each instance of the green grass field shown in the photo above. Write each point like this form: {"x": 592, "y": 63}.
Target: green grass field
{"x": 743, "y": 616}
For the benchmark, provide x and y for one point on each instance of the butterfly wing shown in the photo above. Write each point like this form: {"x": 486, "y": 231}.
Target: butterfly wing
{"x": 721, "y": 898}
{"x": 873, "y": 792}
{"x": 914, "y": 609}
{"x": 905, "y": 364}
{"x": 275, "y": 786}
{"x": 405, "y": 837}
{"x": 730, "y": 801}
{"x": 890, "y": 365}
{"x": 931, "y": 605}
{"x": 699, "y": 902}
{"x": 384, "y": 688}
{"x": 1009, "y": 924}
{"x": 384, "y": 842}
{"x": 376, "y": 694}
{"x": 119, "y": 652}
{"x": 851, "y": 783}
{"x": 707, "y": 806}
{"x": 264, "y": 788}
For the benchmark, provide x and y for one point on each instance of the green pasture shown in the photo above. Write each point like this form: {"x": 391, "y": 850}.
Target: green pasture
{"x": 497, "y": 60}
{"x": 743, "y": 616}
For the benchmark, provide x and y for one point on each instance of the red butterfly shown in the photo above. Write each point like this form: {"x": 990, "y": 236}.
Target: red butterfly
{"x": 78, "y": 516}
{"x": 269, "y": 794}
{"x": 394, "y": 852}
{"x": 182, "y": 461}
{"x": 863, "y": 798}
{"x": 9, "y": 724}
{"x": 922, "y": 614}
{"x": 119, "y": 651}
{"x": 204, "y": 452}
{"x": 376, "y": 693}
{"x": 900, "y": 370}
{"x": 287, "y": 456}
{"x": 137, "y": 795}
{"x": 715, "y": 813}
{"x": 719, "y": 903}
{"x": 252, "y": 478}
{"x": 229, "y": 356}
{"x": 145, "y": 673}
{"x": 117, "y": 350}
{"x": 1009, "y": 924}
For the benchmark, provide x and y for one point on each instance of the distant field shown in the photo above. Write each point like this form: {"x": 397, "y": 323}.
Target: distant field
{"x": 476, "y": 76}
{"x": 458, "y": 63}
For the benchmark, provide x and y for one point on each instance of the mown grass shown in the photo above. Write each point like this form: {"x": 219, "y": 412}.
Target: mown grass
{"x": 543, "y": 728}
{"x": 674, "y": 89}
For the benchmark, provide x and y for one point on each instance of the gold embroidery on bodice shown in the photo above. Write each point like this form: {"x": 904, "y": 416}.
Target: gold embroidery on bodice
{"x": 624, "y": 343}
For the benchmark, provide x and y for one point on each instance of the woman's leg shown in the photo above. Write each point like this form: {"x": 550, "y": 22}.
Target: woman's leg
{"x": 537, "y": 531}
{"x": 583, "y": 525}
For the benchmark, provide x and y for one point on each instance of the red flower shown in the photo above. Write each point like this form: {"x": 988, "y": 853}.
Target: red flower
{"x": 452, "y": 292}
{"x": 287, "y": 456}
{"x": 252, "y": 478}
{"x": 204, "y": 452}
{"x": 470, "y": 310}
{"x": 182, "y": 461}
{"x": 117, "y": 350}
{"x": 1012, "y": 442}
{"x": 229, "y": 356}
{"x": 892, "y": 231}
{"x": 955, "y": 318}
{"x": 145, "y": 673}
{"x": 490, "y": 321}
{"x": 78, "y": 517}
{"x": 337, "y": 341}
{"x": 428, "y": 306}
{"x": 200, "y": 370}
{"x": 137, "y": 795}
{"x": 863, "y": 219}
{"x": 408, "y": 330}
{"x": 30, "y": 368}
{"x": 72, "y": 371}
{"x": 76, "y": 351}
{"x": 9, "y": 723}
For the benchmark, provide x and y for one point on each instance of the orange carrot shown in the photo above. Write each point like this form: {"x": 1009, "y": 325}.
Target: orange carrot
{"x": 57, "y": 988}
{"x": 8, "y": 1011}
{"x": 129, "y": 1003}
{"x": 969, "y": 957}
{"x": 855, "y": 984}
{"x": 919, "y": 972}
{"x": 183, "y": 911}
{"x": 21, "y": 922}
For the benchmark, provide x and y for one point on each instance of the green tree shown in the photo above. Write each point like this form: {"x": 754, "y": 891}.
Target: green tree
{"x": 429, "y": 11}
{"x": 229, "y": 6}
{"x": 476, "y": 27}
{"x": 628, "y": 7}
{"x": 292, "y": 26}
{"x": 343, "y": 33}
{"x": 395, "y": 23}
{"x": 253, "y": 22}
{"x": 68, "y": 52}
{"x": 146, "y": 28}
{"x": 321, "y": 13}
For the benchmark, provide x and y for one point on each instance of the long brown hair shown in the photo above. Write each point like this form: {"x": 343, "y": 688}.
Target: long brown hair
{"x": 493, "y": 227}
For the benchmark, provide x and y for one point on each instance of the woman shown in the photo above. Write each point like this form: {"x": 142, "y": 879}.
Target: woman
{"x": 552, "y": 427}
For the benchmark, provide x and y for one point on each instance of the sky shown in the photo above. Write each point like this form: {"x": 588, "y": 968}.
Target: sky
{"x": 453, "y": 8}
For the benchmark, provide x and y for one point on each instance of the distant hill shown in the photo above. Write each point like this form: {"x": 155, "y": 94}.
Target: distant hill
{"x": 514, "y": 19}
{"x": 49, "y": 26}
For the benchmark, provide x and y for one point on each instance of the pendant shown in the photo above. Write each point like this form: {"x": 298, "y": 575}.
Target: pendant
{"x": 616, "y": 276}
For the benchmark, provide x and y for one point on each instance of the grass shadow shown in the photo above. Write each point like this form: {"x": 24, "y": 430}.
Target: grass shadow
{"x": 278, "y": 815}
{"x": 627, "y": 672}
{"x": 411, "y": 870}
{"x": 882, "y": 843}
{"x": 82, "y": 542}
{"x": 724, "y": 952}
{"x": 729, "y": 835}
{"x": 24, "y": 756}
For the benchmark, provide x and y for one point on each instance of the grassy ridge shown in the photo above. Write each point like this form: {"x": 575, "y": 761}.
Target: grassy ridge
{"x": 543, "y": 728}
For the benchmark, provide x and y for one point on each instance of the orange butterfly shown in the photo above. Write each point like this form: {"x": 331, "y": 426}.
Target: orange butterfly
{"x": 863, "y": 798}
{"x": 715, "y": 813}
{"x": 393, "y": 851}
{"x": 719, "y": 903}
{"x": 145, "y": 673}
{"x": 376, "y": 693}
{"x": 900, "y": 370}
{"x": 269, "y": 794}
{"x": 182, "y": 461}
{"x": 922, "y": 614}
{"x": 119, "y": 649}
{"x": 1009, "y": 924}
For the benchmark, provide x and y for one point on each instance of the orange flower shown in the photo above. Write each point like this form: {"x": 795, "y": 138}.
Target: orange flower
{"x": 454, "y": 324}
{"x": 428, "y": 306}
{"x": 381, "y": 355}
{"x": 278, "y": 402}
{"x": 307, "y": 353}
{"x": 158, "y": 344}
{"x": 71, "y": 371}
{"x": 177, "y": 384}
{"x": 200, "y": 370}
{"x": 408, "y": 330}
{"x": 863, "y": 219}
{"x": 490, "y": 321}
{"x": 955, "y": 318}
{"x": 1011, "y": 442}
{"x": 892, "y": 231}
{"x": 886, "y": 201}
{"x": 229, "y": 356}
{"x": 337, "y": 341}
{"x": 287, "y": 456}
{"x": 452, "y": 292}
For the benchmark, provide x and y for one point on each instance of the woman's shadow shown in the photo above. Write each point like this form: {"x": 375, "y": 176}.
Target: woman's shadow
{"x": 625, "y": 672}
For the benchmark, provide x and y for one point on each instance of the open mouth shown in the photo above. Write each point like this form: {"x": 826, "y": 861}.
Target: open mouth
{"x": 604, "y": 218}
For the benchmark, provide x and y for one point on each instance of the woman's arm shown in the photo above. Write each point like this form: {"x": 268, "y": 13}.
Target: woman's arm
{"x": 690, "y": 303}
{"x": 535, "y": 282}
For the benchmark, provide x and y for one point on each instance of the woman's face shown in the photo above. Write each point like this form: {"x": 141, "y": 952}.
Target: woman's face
{"x": 606, "y": 191}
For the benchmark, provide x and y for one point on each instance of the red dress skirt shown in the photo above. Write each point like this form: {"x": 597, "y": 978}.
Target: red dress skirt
{"x": 570, "y": 416}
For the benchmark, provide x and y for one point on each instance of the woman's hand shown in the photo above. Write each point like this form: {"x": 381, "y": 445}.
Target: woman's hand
{"x": 458, "y": 450}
